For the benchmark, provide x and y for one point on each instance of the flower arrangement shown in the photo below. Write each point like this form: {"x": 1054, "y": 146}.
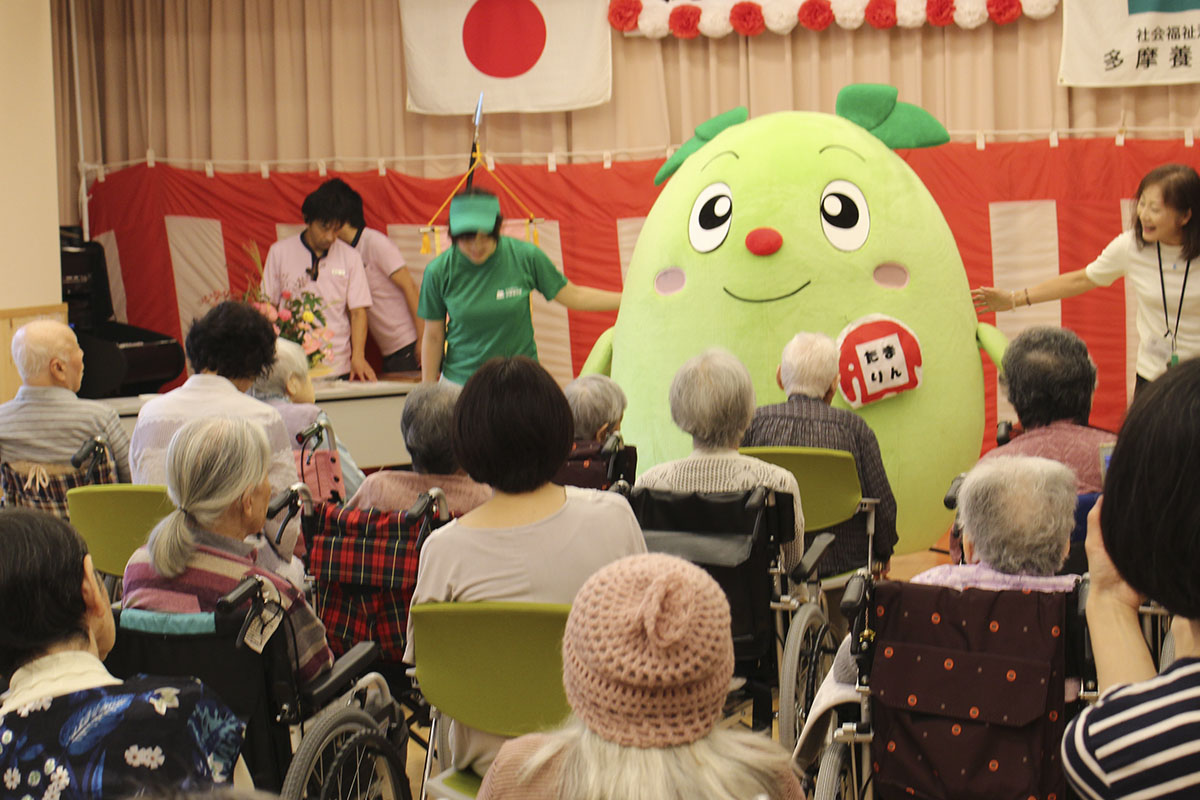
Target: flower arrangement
{"x": 298, "y": 318}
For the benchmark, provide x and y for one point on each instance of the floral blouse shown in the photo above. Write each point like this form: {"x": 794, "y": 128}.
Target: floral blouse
{"x": 113, "y": 741}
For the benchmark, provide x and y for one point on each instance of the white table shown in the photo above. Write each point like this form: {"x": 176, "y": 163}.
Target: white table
{"x": 366, "y": 416}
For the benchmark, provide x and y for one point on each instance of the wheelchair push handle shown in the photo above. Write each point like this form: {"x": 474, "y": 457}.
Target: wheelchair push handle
{"x": 296, "y": 499}
{"x": 950, "y": 501}
{"x": 807, "y": 568}
{"x": 94, "y": 445}
{"x": 241, "y": 593}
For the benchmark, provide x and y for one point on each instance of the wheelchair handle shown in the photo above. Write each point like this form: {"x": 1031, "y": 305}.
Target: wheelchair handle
{"x": 950, "y": 501}
{"x": 807, "y": 568}
{"x": 93, "y": 445}
{"x": 241, "y": 593}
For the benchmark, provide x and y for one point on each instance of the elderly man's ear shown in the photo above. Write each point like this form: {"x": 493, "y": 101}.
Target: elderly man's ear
{"x": 779, "y": 377}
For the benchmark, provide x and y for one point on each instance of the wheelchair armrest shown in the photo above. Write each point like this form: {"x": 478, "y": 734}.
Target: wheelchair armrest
{"x": 813, "y": 554}
{"x": 353, "y": 663}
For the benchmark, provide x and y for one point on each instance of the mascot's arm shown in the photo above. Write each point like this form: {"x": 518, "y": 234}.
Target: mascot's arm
{"x": 991, "y": 341}
{"x": 599, "y": 361}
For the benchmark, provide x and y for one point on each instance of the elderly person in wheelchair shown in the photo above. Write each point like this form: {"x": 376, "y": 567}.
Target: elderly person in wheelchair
{"x": 1143, "y": 541}
{"x": 712, "y": 400}
{"x": 1017, "y": 515}
{"x": 533, "y": 541}
{"x": 425, "y": 424}
{"x": 217, "y": 477}
{"x": 288, "y": 389}
{"x": 598, "y": 456}
{"x": 67, "y": 726}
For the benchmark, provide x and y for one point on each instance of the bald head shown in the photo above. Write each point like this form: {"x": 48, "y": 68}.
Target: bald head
{"x": 47, "y": 354}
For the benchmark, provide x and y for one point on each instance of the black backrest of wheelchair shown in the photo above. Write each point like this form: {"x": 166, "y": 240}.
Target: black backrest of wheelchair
{"x": 717, "y": 531}
{"x": 967, "y": 692}
{"x": 254, "y": 686}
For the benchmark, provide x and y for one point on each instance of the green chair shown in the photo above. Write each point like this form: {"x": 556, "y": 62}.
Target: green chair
{"x": 515, "y": 688}
{"x": 115, "y": 519}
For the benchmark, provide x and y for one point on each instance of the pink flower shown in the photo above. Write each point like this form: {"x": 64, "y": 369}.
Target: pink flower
{"x": 284, "y": 315}
{"x": 310, "y": 344}
{"x": 285, "y": 295}
{"x": 326, "y": 334}
{"x": 276, "y": 327}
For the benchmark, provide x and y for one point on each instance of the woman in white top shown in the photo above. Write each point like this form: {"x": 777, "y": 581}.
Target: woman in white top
{"x": 533, "y": 541}
{"x": 1168, "y": 316}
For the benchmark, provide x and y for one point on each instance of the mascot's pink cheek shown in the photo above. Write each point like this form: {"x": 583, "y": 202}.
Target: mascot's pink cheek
{"x": 891, "y": 275}
{"x": 669, "y": 281}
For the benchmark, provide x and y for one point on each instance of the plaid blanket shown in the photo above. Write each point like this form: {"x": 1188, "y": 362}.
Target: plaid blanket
{"x": 365, "y": 565}
{"x": 27, "y": 484}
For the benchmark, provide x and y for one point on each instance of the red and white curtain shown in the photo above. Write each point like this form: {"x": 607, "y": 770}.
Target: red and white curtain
{"x": 177, "y": 240}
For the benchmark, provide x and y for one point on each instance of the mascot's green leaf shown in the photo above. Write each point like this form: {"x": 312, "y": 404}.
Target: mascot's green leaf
{"x": 704, "y": 132}
{"x": 874, "y": 106}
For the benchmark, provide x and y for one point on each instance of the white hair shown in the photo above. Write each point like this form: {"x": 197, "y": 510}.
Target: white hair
{"x": 809, "y": 365}
{"x": 595, "y": 401}
{"x": 712, "y": 398}
{"x": 290, "y": 361}
{"x": 211, "y": 463}
{"x": 1018, "y": 512}
{"x": 727, "y": 764}
{"x": 37, "y": 343}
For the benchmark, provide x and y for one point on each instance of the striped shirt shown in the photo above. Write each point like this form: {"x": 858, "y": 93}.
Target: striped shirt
{"x": 1140, "y": 740}
{"x": 810, "y": 422}
{"x": 47, "y": 424}
{"x": 216, "y": 567}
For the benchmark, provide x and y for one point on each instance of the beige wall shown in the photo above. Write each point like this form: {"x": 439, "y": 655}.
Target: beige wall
{"x": 29, "y": 272}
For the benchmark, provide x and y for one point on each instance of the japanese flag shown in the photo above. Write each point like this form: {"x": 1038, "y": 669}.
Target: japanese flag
{"x": 524, "y": 55}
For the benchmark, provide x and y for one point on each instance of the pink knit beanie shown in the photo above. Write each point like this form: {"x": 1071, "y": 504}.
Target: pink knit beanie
{"x": 647, "y": 652}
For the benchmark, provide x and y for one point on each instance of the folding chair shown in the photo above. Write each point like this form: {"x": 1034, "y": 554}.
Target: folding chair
{"x": 518, "y": 689}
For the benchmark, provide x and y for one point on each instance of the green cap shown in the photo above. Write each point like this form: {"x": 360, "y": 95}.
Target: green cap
{"x": 473, "y": 213}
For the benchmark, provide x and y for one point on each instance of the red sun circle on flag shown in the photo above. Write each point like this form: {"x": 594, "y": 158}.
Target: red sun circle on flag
{"x": 504, "y": 38}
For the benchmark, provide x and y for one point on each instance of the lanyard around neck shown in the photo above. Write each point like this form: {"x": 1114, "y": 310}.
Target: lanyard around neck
{"x": 1162, "y": 282}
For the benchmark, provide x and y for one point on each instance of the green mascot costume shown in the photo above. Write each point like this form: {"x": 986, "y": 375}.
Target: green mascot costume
{"x": 804, "y": 221}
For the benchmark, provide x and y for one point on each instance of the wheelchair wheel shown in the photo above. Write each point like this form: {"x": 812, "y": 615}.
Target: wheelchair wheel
{"x": 807, "y": 657}
{"x": 835, "y": 776}
{"x": 366, "y": 767}
{"x": 312, "y": 763}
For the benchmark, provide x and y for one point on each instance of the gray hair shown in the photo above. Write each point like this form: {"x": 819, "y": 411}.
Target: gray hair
{"x": 595, "y": 401}
{"x": 809, "y": 365}
{"x": 1049, "y": 377}
{"x": 211, "y": 463}
{"x": 712, "y": 398}
{"x": 37, "y": 343}
{"x": 726, "y": 763}
{"x": 426, "y": 424}
{"x": 290, "y": 361}
{"x": 1018, "y": 512}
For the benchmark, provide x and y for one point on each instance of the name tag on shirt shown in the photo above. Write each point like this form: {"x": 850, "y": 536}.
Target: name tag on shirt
{"x": 339, "y": 271}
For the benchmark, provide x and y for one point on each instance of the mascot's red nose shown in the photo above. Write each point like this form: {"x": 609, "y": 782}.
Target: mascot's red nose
{"x": 763, "y": 241}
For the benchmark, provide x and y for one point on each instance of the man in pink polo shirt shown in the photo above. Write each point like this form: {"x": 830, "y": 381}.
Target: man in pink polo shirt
{"x": 317, "y": 261}
{"x": 392, "y": 317}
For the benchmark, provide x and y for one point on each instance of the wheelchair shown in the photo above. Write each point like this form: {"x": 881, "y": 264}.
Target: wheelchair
{"x": 338, "y": 736}
{"x": 958, "y": 693}
{"x": 320, "y": 469}
{"x": 735, "y": 537}
{"x": 363, "y": 568}
{"x": 596, "y": 465}
{"x": 29, "y": 484}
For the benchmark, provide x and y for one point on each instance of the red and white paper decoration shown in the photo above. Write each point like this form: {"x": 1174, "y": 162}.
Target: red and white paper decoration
{"x": 691, "y": 18}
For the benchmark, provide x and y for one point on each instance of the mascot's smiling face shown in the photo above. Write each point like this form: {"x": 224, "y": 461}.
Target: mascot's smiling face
{"x": 804, "y": 221}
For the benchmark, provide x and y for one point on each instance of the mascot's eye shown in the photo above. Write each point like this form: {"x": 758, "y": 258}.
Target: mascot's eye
{"x": 844, "y": 216}
{"x": 712, "y": 214}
